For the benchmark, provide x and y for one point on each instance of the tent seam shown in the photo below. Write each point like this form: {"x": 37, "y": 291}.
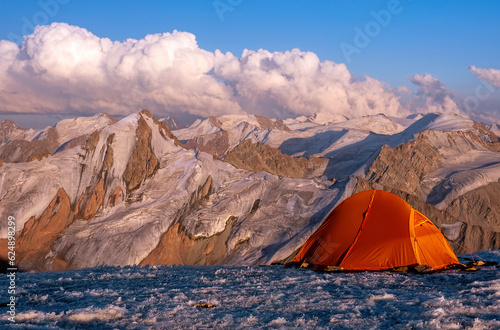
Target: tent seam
{"x": 372, "y": 197}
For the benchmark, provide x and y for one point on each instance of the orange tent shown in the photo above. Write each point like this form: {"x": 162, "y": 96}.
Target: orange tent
{"x": 376, "y": 230}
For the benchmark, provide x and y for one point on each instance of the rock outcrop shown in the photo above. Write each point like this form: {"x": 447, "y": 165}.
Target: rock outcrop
{"x": 39, "y": 234}
{"x": 216, "y": 144}
{"x": 177, "y": 248}
{"x": 479, "y": 210}
{"x": 143, "y": 162}
{"x": 404, "y": 166}
{"x": 115, "y": 198}
{"x": 10, "y": 131}
{"x": 258, "y": 157}
{"x": 23, "y": 145}
{"x": 22, "y": 151}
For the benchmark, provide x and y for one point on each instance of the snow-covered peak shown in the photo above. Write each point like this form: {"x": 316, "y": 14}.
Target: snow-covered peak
{"x": 172, "y": 123}
{"x": 213, "y": 125}
{"x": 160, "y": 142}
{"x": 450, "y": 122}
{"x": 379, "y": 124}
{"x": 69, "y": 129}
{"x": 228, "y": 122}
{"x": 199, "y": 127}
{"x": 495, "y": 129}
{"x": 10, "y": 131}
{"x": 304, "y": 122}
{"x": 326, "y": 118}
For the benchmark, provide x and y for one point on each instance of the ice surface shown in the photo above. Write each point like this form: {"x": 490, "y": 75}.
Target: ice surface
{"x": 199, "y": 127}
{"x": 461, "y": 171}
{"x": 451, "y": 122}
{"x": 495, "y": 128}
{"x": 25, "y": 190}
{"x": 68, "y": 129}
{"x": 159, "y": 144}
{"x": 257, "y": 297}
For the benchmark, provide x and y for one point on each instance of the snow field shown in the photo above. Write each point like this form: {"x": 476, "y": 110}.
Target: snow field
{"x": 260, "y": 297}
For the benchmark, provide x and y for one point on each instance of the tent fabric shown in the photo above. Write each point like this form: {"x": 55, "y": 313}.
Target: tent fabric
{"x": 376, "y": 230}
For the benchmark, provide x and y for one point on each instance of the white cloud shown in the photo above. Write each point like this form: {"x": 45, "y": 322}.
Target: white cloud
{"x": 403, "y": 89}
{"x": 298, "y": 83}
{"x": 491, "y": 76}
{"x": 62, "y": 68}
{"x": 66, "y": 69}
{"x": 432, "y": 96}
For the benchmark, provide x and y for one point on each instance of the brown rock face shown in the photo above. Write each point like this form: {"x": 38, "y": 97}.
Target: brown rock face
{"x": 266, "y": 123}
{"x": 92, "y": 140}
{"x": 95, "y": 201}
{"x": 214, "y": 121}
{"x": 142, "y": 163}
{"x": 216, "y": 145}
{"x": 115, "y": 198}
{"x": 76, "y": 142}
{"x": 108, "y": 159}
{"x": 258, "y": 157}
{"x": 23, "y": 151}
{"x": 163, "y": 128}
{"x": 206, "y": 189}
{"x": 38, "y": 156}
{"x": 38, "y": 235}
{"x": 7, "y": 128}
{"x": 404, "y": 166}
{"x": 176, "y": 248}
{"x": 479, "y": 209}
{"x": 486, "y": 132}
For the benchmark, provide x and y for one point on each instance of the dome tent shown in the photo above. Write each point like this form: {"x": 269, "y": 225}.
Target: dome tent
{"x": 376, "y": 230}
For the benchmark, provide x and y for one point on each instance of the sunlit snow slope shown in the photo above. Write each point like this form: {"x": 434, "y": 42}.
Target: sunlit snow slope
{"x": 96, "y": 191}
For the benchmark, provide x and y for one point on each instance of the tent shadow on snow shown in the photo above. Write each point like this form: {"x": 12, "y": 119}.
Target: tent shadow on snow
{"x": 375, "y": 230}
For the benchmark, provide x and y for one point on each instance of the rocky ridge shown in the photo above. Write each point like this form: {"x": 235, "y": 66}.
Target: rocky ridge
{"x": 129, "y": 192}
{"x": 257, "y": 157}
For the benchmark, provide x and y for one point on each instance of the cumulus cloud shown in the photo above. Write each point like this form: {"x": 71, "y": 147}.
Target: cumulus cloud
{"x": 62, "y": 68}
{"x": 297, "y": 82}
{"x": 491, "y": 76}
{"x": 432, "y": 96}
{"x": 66, "y": 69}
{"x": 403, "y": 89}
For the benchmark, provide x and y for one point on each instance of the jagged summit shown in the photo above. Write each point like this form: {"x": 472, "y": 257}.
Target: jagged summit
{"x": 232, "y": 189}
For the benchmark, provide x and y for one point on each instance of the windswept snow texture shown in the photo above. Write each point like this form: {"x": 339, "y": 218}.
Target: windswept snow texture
{"x": 256, "y": 297}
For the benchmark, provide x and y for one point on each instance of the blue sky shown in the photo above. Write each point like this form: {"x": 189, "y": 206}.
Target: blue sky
{"x": 442, "y": 38}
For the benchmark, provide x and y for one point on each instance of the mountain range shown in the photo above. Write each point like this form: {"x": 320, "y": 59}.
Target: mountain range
{"x": 234, "y": 189}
